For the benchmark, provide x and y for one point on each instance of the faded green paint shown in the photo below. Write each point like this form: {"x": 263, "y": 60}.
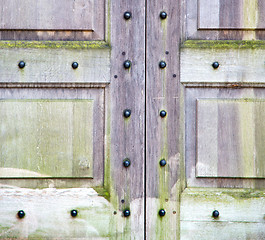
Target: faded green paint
{"x": 224, "y": 44}
{"x": 75, "y": 45}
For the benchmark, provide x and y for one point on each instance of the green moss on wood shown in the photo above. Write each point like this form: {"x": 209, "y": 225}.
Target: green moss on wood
{"x": 55, "y": 44}
{"x": 102, "y": 192}
{"x": 224, "y": 44}
{"x": 214, "y": 194}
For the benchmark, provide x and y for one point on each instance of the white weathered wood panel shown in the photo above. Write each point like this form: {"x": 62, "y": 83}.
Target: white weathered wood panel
{"x": 46, "y": 138}
{"x": 240, "y": 66}
{"x": 55, "y": 65}
{"x": 241, "y": 216}
{"x": 221, "y": 231}
{"x": 48, "y": 214}
{"x": 230, "y": 138}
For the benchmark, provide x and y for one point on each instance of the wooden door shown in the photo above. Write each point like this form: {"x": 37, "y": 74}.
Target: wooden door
{"x": 222, "y": 70}
{"x": 205, "y": 120}
{"x": 142, "y": 117}
{"x": 64, "y": 89}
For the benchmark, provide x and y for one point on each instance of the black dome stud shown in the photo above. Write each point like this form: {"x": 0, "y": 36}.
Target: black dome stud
{"x": 127, "y": 113}
{"x": 162, "y": 64}
{"x": 126, "y": 213}
{"x": 163, "y": 162}
{"x": 126, "y": 162}
{"x": 215, "y": 65}
{"x": 74, "y": 213}
{"x": 21, "y": 64}
{"x": 163, "y": 113}
{"x": 127, "y": 15}
{"x": 127, "y": 64}
{"x": 215, "y": 214}
{"x": 163, "y": 15}
{"x": 162, "y": 212}
{"x": 74, "y": 65}
{"x": 21, "y": 214}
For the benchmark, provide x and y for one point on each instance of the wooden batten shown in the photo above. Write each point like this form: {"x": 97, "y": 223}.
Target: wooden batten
{"x": 241, "y": 64}
{"x": 54, "y": 64}
{"x": 241, "y": 214}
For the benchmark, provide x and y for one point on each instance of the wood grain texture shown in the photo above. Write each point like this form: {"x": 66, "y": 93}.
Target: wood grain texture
{"x": 54, "y": 116}
{"x": 246, "y": 132}
{"x": 227, "y": 14}
{"x": 46, "y": 138}
{"x": 241, "y": 214}
{"x": 226, "y": 19}
{"x": 163, "y": 135}
{"x": 221, "y": 231}
{"x": 115, "y": 137}
{"x": 228, "y": 134}
{"x": 125, "y": 136}
{"x": 49, "y": 35}
{"x": 54, "y": 65}
{"x": 52, "y": 15}
{"x": 48, "y": 214}
{"x": 244, "y": 67}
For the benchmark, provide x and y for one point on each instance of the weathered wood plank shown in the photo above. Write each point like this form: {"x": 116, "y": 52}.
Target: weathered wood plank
{"x": 163, "y": 135}
{"x": 47, "y": 214}
{"x": 55, "y": 65}
{"x": 52, "y": 15}
{"x": 227, "y": 14}
{"x": 49, "y": 35}
{"x": 51, "y": 20}
{"x": 241, "y": 214}
{"x": 232, "y": 140}
{"x": 125, "y": 136}
{"x": 226, "y": 19}
{"x": 46, "y": 138}
{"x": 83, "y": 121}
{"x": 243, "y": 66}
{"x": 221, "y": 231}
{"x": 234, "y": 205}
{"x": 224, "y": 166}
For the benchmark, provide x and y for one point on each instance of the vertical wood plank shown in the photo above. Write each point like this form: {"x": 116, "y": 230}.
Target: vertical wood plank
{"x": 208, "y": 13}
{"x": 229, "y": 151}
{"x": 207, "y": 137}
{"x": 125, "y": 136}
{"x": 231, "y": 14}
{"x": 163, "y": 135}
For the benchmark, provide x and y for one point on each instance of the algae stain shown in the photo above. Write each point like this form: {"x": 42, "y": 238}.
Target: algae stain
{"x": 102, "y": 192}
{"x": 246, "y": 123}
{"x": 224, "y": 44}
{"x": 55, "y": 44}
{"x": 250, "y": 13}
{"x": 164, "y": 32}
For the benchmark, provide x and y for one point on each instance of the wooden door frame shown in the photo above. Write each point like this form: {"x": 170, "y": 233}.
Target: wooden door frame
{"x": 164, "y": 135}
{"x": 125, "y": 137}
